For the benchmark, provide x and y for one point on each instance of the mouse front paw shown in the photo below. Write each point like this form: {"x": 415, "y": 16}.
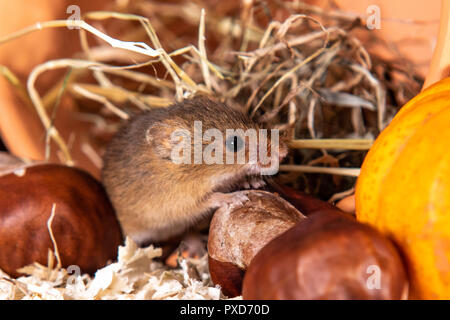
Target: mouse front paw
{"x": 253, "y": 183}
{"x": 219, "y": 199}
{"x": 257, "y": 183}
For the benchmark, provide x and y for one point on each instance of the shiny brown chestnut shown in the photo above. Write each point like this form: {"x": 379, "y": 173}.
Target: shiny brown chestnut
{"x": 328, "y": 256}
{"x": 84, "y": 224}
{"x": 238, "y": 231}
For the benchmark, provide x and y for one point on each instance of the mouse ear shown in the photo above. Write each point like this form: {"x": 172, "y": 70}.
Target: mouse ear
{"x": 164, "y": 137}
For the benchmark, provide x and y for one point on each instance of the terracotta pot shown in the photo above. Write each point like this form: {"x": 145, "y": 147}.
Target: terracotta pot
{"x": 420, "y": 29}
{"x": 20, "y": 127}
{"x": 412, "y": 26}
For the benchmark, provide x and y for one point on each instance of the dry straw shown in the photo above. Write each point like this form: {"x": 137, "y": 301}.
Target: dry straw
{"x": 304, "y": 72}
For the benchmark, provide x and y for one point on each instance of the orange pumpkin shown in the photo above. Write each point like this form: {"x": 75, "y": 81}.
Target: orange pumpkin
{"x": 404, "y": 189}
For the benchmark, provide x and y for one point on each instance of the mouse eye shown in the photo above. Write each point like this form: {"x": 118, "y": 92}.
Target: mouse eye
{"x": 234, "y": 143}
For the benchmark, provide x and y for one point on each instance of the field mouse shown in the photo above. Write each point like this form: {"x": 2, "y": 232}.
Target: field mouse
{"x": 157, "y": 197}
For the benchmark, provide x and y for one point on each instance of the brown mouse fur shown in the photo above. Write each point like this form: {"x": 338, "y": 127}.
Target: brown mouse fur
{"x": 156, "y": 198}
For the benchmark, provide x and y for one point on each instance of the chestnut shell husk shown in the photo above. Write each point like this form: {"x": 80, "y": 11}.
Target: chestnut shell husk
{"x": 238, "y": 231}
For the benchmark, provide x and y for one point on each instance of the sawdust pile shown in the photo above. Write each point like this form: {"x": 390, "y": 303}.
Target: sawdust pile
{"x": 135, "y": 275}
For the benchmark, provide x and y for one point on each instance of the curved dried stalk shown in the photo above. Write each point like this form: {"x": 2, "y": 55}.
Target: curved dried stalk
{"x": 352, "y": 172}
{"x": 340, "y": 144}
{"x": 17, "y": 84}
{"x": 138, "y": 47}
{"x": 101, "y": 99}
{"x": 286, "y": 75}
{"x": 202, "y": 50}
{"x": 380, "y": 93}
{"x": 37, "y": 102}
{"x": 120, "y": 95}
{"x": 52, "y": 237}
{"x": 176, "y": 73}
